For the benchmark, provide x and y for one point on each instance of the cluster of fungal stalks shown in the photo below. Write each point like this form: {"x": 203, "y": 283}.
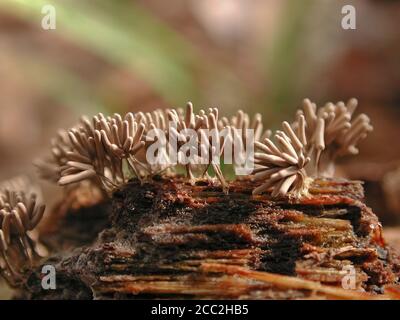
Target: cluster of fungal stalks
{"x": 281, "y": 165}
{"x": 239, "y": 125}
{"x": 336, "y": 131}
{"x": 20, "y": 212}
{"x": 307, "y": 148}
{"x": 95, "y": 150}
{"x": 108, "y": 151}
{"x": 203, "y": 120}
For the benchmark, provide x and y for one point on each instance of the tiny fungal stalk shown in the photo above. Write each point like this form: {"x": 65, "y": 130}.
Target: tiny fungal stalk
{"x": 20, "y": 213}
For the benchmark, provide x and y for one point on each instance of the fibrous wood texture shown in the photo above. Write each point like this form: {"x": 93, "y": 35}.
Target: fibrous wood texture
{"x": 170, "y": 239}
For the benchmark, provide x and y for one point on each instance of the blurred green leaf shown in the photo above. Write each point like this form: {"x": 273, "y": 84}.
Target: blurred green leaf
{"x": 126, "y": 36}
{"x": 283, "y": 66}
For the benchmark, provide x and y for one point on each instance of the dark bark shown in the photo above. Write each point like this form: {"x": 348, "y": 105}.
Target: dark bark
{"x": 169, "y": 239}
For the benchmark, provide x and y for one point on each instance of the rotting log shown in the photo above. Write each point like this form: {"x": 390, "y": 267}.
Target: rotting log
{"x": 170, "y": 239}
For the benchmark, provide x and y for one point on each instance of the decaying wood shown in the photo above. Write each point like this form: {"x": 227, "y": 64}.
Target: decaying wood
{"x": 169, "y": 239}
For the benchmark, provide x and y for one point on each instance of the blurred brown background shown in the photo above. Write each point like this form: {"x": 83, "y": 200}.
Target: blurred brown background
{"x": 260, "y": 55}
